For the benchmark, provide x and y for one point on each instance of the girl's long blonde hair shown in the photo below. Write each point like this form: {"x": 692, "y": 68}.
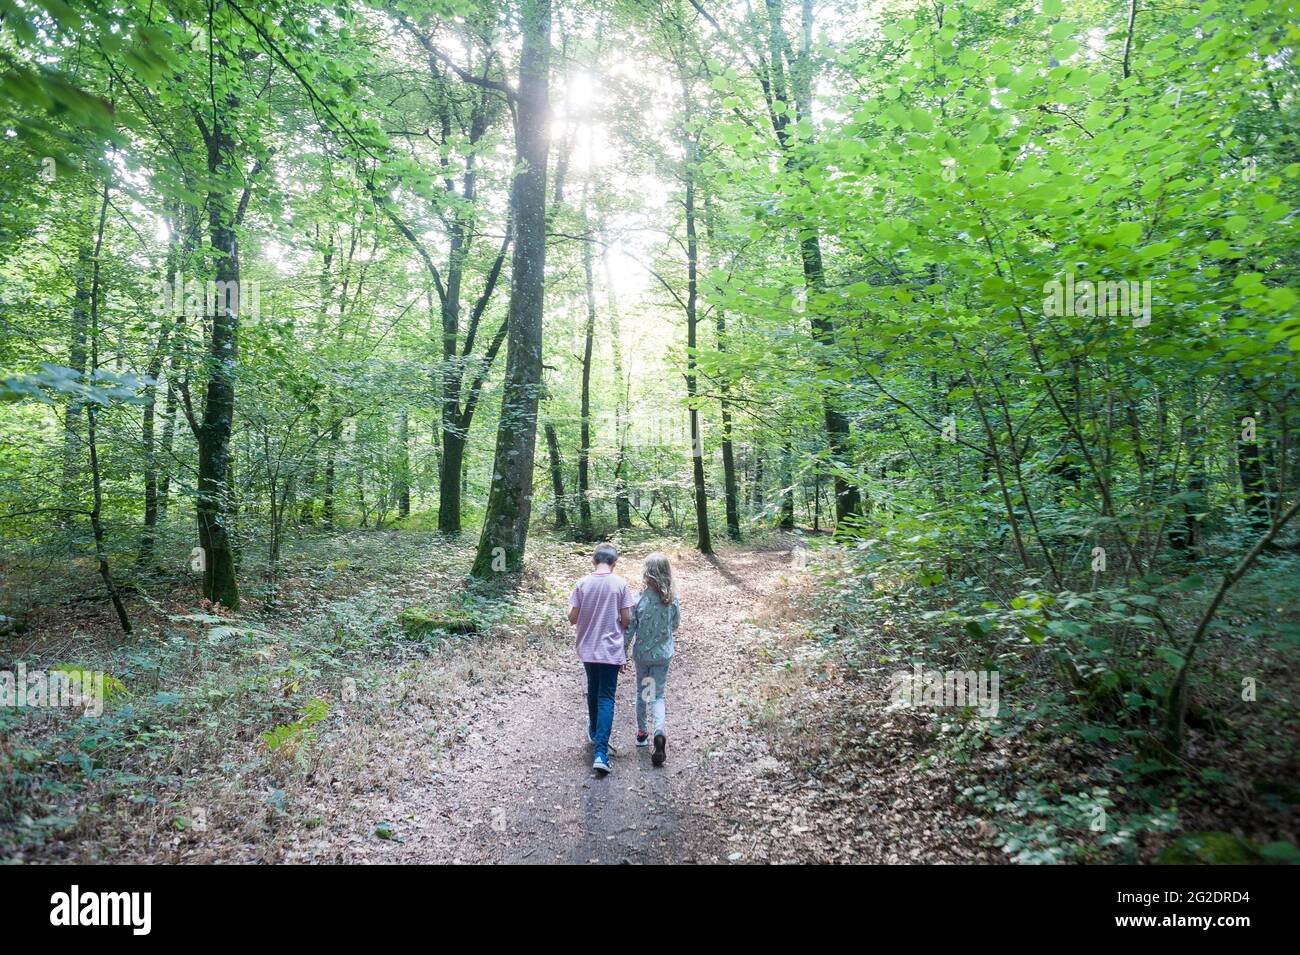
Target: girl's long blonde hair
{"x": 658, "y": 576}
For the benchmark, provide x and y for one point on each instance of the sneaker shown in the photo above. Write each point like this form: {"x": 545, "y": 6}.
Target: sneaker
{"x": 661, "y": 741}
{"x": 609, "y": 747}
{"x": 600, "y": 765}
{"x": 643, "y": 739}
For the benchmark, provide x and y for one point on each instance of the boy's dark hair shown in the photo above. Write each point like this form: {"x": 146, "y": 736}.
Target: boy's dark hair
{"x": 605, "y": 554}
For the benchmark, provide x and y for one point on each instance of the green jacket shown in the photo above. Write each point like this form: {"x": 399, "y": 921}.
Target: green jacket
{"x": 652, "y": 626}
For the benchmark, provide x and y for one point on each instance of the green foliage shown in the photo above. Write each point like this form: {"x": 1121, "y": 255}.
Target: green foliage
{"x": 1223, "y": 848}
{"x": 53, "y": 381}
{"x": 1040, "y": 826}
{"x": 1055, "y": 492}
{"x": 114, "y": 689}
{"x": 290, "y": 736}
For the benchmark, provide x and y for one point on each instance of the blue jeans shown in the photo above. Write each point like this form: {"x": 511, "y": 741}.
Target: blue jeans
{"x": 602, "y": 684}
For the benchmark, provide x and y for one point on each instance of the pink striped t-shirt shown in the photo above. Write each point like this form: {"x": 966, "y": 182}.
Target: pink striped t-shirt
{"x": 599, "y": 597}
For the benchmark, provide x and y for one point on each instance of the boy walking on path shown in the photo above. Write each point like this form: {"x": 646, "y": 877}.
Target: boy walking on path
{"x": 599, "y": 607}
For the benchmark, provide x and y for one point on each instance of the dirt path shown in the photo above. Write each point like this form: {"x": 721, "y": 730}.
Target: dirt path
{"x": 517, "y": 786}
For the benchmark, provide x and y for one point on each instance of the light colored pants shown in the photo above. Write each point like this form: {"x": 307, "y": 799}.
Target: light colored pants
{"x": 651, "y": 678}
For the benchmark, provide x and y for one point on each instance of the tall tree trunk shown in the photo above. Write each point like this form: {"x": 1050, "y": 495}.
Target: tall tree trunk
{"x": 77, "y": 362}
{"x": 510, "y": 498}
{"x": 153, "y": 372}
{"x": 311, "y": 466}
{"x": 305, "y": 491}
{"x": 787, "y": 488}
{"x": 1250, "y": 466}
{"x": 97, "y": 523}
{"x": 453, "y": 437}
{"x": 219, "y": 583}
{"x": 167, "y": 443}
{"x": 455, "y": 420}
{"x": 361, "y": 497}
{"x": 456, "y": 416}
{"x": 848, "y": 501}
{"x": 450, "y": 473}
{"x": 171, "y": 417}
{"x": 557, "y": 477}
{"x": 585, "y": 528}
{"x": 97, "y": 507}
{"x": 728, "y": 449}
{"x": 622, "y": 507}
{"x": 403, "y": 465}
{"x": 151, "y": 455}
{"x": 724, "y": 402}
{"x": 1187, "y": 538}
{"x": 703, "y": 539}
{"x": 331, "y": 458}
{"x": 817, "y": 502}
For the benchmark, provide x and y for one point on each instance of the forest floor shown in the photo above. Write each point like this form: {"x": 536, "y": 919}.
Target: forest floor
{"x": 512, "y": 781}
{"x": 474, "y": 749}
{"x": 323, "y": 727}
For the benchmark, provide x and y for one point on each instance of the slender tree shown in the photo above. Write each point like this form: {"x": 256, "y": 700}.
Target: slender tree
{"x": 509, "y": 507}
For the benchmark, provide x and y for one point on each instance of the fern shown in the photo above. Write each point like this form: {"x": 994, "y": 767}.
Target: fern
{"x": 291, "y": 735}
